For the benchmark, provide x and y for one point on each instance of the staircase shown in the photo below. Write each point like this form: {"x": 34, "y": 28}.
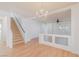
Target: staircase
{"x": 17, "y": 37}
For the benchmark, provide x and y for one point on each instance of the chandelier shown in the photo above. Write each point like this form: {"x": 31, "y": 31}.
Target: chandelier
{"x": 41, "y": 12}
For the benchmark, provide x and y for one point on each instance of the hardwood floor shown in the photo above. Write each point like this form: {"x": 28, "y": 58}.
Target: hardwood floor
{"x": 34, "y": 49}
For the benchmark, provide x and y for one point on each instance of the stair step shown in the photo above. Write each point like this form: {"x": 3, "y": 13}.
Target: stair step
{"x": 16, "y": 32}
{"x": 18, "y": 42}
{"x": 20, "y": 46}
{"x": 17, "y": 37}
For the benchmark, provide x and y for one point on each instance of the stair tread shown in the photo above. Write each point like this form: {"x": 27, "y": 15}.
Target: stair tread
{"x": 16, "y": 38}
{"x": 18, "y": 42}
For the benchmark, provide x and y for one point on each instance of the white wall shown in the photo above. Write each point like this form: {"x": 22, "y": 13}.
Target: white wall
{"x": 4, "y": 13}
{"x": 75, "y": 29}
{"x": 47, "y": 28}
{"x": 32, "y": 28}
{"x": 7, "y": 34}
{"x": 1, "y": 30}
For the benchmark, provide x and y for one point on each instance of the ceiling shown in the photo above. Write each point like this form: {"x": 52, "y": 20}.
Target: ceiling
{"x": 29, "y": 9}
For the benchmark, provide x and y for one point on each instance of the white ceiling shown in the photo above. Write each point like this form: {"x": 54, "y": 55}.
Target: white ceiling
{"x": 28, "y": 9}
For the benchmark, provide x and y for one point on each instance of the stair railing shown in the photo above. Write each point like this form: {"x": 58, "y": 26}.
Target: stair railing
{"x": 20, "y": 25}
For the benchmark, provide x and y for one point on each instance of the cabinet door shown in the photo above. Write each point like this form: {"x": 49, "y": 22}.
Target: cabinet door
{"x": 61, "y": 41}
{"x": 48, "y": 38}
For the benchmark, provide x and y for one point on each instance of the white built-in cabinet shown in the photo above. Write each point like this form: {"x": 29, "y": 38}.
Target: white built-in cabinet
{"x": 65, "y": 34}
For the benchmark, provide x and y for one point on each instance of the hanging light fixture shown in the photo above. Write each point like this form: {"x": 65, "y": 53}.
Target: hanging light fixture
{"x": 41, "y": 12}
